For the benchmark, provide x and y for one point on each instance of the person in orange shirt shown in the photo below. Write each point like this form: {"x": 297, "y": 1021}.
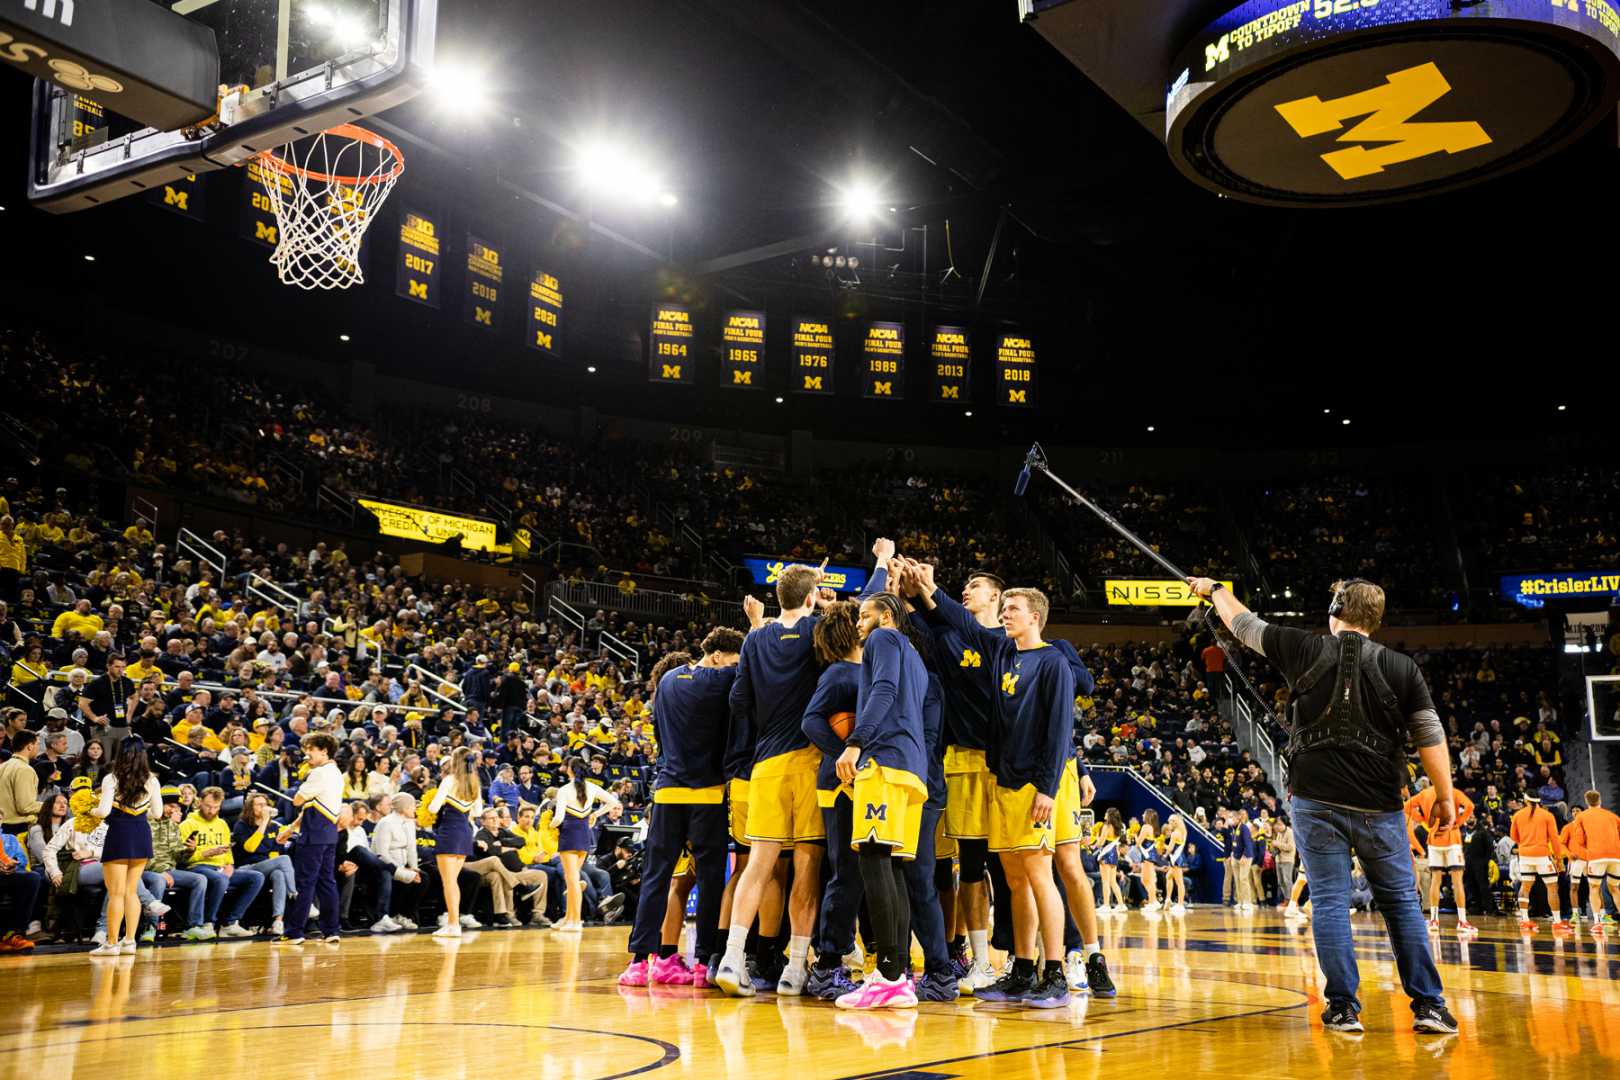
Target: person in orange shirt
{"x": 1445, "y": 854}
{"x": 1597, "y": 832}
{"x": 1535, "y": 831}
{"x": 1576, "y": 865}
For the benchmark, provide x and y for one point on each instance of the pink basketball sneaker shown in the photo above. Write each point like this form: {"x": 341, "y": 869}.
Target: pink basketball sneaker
{"x": 670, "y": 971}
{"x": 635, "y": 974}
{"x": 877, "y": 993}
{"x": 700, "y": 977}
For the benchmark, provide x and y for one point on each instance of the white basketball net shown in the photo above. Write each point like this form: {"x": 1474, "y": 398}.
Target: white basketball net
{"x": 325, "y": 197}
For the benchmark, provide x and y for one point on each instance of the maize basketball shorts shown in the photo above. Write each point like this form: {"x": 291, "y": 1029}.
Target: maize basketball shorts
{"x": 1449, "y": 857}
{"x": 1012, "y": 827}
{"x": 887, "y": 809}
{"x": 737, "y": 807}
{"x": 969, "y": 791}
{"x": 684, "y": 865}
{"x": 944, "y": 846}
{"x": 1537, "y": 866}
{"x": 782, "y": 803}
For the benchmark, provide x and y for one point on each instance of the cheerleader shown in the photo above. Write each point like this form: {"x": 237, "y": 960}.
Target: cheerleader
{"x": 456, "y": 803}
{"x": 1175, "y": 881}
{"x": 1148, "y": 841}
{"x": 131, "y": 799}
{"x": 579, "y": 804}
{"x": 1113, "y": 834}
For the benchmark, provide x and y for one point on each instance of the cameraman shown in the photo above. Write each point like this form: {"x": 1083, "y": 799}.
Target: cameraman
{"x": 1354, "y": 706}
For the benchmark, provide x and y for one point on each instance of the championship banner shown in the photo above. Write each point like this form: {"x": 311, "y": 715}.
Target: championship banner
{"x": 483, "y": 300}
{"x": 951, "y": 351}
{"x": 187, "y": 197}
{"x": 258, "y": 209}
{"x": 812, "y": 356}
{"x": 545, "y": 313}
{"x": 418, "y": 275}
{"x": 89, "y": 123}
{"x": 1534, "y": 590}
{"x": 742, "y": 350}
{"x": 432, "y": 526}
{"x": 842, "y": 579}
{"x": 669, "y": 350}
{"x": 1015, "y": 371}
{"x": 1166, "y": 592}
{"x": 883, "y": 361}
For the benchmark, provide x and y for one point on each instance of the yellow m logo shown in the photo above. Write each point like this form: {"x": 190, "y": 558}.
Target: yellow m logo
{"x": 1388, "y": 110}
{"x": 1218, "y": 53}
{"x": 742, "y": 378}
{"x": 1009, "y": 683}
{"x": 671, "y": 371}
{"x": 418, "y": 290}
{"x": 1017, "y": 397}
{"x": 950, "y": 392}
{"x": 264, "y": 232}
{"x": 883, "y": 389}
{"x": 812, "y": 382}
{"x": 542, "y": 340}
{"x": 176, "y": 199}
{"x": 484, "y": 315}
{"x": 971, "y": 659}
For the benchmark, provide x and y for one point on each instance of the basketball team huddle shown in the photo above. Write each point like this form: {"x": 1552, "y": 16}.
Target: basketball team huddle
{"x": 904, "y": 760}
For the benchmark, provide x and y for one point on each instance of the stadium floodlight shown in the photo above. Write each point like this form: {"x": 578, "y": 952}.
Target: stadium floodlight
{"x": 859, "y": 200}
{"x": 607, "y": 168}
{"x": 343, "y": 337}
{"x": 1345, "y": 421}
{"x": 1150, "y": 429}
{"x": 459, "y": 89}
{"x": 591, "y": 370}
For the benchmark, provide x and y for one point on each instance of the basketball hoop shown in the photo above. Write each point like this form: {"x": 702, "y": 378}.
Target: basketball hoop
{"x": 325, "y": 198}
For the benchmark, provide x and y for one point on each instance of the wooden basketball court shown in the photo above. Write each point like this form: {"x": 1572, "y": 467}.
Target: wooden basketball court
{"x": 1212, "y": 994}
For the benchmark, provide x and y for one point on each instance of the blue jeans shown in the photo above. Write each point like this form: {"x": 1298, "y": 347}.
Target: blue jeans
{"x": 278, "y": 875}
{"x": 1327, "y": 837}
{"x": 241, "y": 886}
{"x": 196, "y": 887}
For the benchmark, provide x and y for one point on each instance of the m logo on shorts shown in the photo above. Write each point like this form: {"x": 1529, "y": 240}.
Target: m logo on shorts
{"x": 1009, "y": 683}
{"x": 877, "y": 811}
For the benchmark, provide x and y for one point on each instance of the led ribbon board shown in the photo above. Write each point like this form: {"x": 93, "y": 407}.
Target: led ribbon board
{"x": 1351, "y": 102}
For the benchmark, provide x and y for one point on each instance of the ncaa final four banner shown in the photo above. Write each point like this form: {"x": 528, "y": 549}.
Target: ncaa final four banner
{"x": 812, "y": 356}
{"x": 1015, "y": 371}
{"x": 883, "y": 361}
{"x": 742, "y": 350}
{"x": 669, "y": 346}
{"x": 951, "y": 351}
{"x": 418, "y": 276}
{"x": 483, "y": 301}
{"x": 258, "y": 208}
{"x": 545, "y": 313}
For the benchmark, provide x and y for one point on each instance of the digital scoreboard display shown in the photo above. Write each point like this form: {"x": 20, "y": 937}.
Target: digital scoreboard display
{"x": 812, "y": 355}
{"x": 669, "y": 347}
{"x": 883, "y": 361}
{"x": 950, "y": 351}
{"x": 742, "y": 350}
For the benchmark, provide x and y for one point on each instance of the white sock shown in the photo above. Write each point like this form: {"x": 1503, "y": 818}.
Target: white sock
{"x": 1434, "y": 914}
{"x": 979, "y": 942}
{"x": 1092, "y": 949}
{"x": 798, "y": 950}
{"x": 736, "y": 946}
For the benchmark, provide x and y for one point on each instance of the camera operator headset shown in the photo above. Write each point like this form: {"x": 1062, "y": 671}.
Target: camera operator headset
{"x": 1353, "y": 706}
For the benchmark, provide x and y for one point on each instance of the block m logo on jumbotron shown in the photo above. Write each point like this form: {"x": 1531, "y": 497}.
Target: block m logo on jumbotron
{"x": 1388, "y": 110}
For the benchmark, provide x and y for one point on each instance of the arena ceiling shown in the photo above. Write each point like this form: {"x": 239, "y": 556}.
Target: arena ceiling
{"x": 1154, "y": 301}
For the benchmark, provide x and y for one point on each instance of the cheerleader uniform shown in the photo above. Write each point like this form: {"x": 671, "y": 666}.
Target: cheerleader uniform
{"x": 129, "y": 827}
{"x": 574, "y": 832}
{"x": 1108, "y": 855}
{"x": 453, "y": 831}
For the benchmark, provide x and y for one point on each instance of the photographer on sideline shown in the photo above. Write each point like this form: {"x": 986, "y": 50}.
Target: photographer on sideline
{"x": 1354, "y": 704}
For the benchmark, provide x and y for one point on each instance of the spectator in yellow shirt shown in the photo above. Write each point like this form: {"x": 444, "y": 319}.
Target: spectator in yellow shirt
{"x": 79, "y": 618}
{"x": 13, "y": 559}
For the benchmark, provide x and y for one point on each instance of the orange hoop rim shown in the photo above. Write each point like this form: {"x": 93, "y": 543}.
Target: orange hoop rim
{"x": 343, "y": 131}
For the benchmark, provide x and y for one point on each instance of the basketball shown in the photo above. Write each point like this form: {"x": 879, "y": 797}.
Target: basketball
{"x": 842, "y": 723}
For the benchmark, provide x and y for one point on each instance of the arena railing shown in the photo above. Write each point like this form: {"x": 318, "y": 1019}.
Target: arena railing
{"x": 273, "y": 594}
{"x": 292, "y": 695}
{"x": 430, "y": 679}
{"x": 145, "y": 512}
{"x": 329, "y": 499}
{"x": 191, "y": 544}
{"x": 1249, "y": 727}
{"x": 647, "y": 602}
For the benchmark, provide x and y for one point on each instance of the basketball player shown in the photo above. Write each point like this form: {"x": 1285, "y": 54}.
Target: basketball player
{"x": 1575, "y": 865}
{"x": 1037, "y": 799}
{"x": 1535, "y": 831}
{"x": 691, "y": 715}
{"x": 885, "y": 762}
{"x": 1445, "y": 854}
{"x": 1597, "y": 833}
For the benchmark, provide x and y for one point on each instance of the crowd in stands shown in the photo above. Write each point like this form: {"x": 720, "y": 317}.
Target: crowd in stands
{"x": 1543, "y": 519}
